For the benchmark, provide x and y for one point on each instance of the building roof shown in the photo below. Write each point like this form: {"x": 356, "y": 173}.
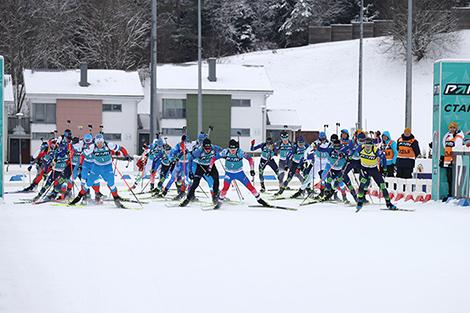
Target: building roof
{"x": 65, "y": 83}
{"x": 230, "y": 77}
{"x": 8, "y": 95}
{"x": 280, "y": 119}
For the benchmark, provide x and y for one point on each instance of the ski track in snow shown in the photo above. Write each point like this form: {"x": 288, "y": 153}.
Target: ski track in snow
{"x": 321, "y": 258}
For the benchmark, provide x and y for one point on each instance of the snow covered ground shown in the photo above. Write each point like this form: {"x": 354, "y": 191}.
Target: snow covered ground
{"x": 321, "y": 258}
{"x": 320, "y": 82}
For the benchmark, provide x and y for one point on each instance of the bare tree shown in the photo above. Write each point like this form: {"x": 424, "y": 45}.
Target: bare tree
{"x": 434, "y": 26}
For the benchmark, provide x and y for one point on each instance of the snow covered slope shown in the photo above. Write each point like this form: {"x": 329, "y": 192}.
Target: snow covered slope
{"x": 320, "y": 81}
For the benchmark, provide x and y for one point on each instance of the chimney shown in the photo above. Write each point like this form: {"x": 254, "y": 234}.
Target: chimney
{"x": 84, "y": 75}
{"x": 212, "y": 69}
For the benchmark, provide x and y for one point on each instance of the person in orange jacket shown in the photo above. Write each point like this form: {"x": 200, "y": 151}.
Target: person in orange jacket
{"x": 453, "y": 138}
{"x": 408, "y": 151}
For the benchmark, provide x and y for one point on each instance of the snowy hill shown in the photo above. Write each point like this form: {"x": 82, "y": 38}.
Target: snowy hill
{"x": 320, "y": 82}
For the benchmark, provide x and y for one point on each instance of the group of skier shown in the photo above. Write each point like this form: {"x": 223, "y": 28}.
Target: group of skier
{"x": 332, "y": 161}
{"x": 63, "y": 160}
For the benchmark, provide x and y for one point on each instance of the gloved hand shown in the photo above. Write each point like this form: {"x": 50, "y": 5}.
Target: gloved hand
{"x": 384, "y": 171}
{"x": 191, "y": 175}
{"x": 29, "y": 168}
{"x": 253, "y": 142}
{"x": 129, "y": 158}
{"x": 441, "y": 161}
{"x": 252, "y": 173}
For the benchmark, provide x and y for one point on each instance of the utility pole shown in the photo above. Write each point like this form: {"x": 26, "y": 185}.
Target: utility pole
{"x": 361, "y": 43}
{"x": 199, "y": 67}
{"x": 153, "y": 74}
{"x": 409, "y": 65}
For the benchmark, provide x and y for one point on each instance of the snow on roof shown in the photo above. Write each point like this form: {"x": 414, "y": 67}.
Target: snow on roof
{"x": 102, "y": 83}
{"x": 230, "y": 77}
{"x": 8, "y": 89}
{"x": 281, "y": 118}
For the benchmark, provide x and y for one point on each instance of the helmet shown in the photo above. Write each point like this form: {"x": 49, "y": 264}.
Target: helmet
{"x": 269, "y": 141}
{"x": 88, "y": 138}
{"x": 201, "y": 136}
{"x": 184, "y": 138}
{"x": 99, "y": 138}
{"x": 75, "y": 140}
{"x": 345, "y": 131}
{"x": 233, "y": 144}
{"x": 322, "y": 136}
{"x": 300, "y": 139}
{"x": 68, "y": 134}
{"x": 284, "y": 135}
{"x": 334, "y": 137}
{"x": 166, "y": 147}
{"x": 44, "y": 145}
{"x": 159, "y": 142}
{"x": 206, "y": 143}
{"x": 361, "y": 137}
{"x": 368, "y": 142}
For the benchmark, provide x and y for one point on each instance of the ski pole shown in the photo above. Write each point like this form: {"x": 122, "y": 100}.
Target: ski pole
{"x": 125, "y": 181}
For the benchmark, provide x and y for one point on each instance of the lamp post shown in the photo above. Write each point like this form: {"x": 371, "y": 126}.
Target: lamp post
{"x": 409, "y": 65}
{"x": 199, "y": 67}
{"x": 153, "y": 73}
{"x": 361, "y": 40}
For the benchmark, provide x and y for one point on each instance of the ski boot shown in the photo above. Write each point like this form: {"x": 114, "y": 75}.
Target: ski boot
{"x": 215, "y": 198}
{"x": 297, "y": 194}
{"x": 179, "y": 196}
{"x": 281, "y": 190}
{"x": 185, "y": 202}
{"x": 262, "y": 202}
{"x": 161, "y": 194}
{"x": 98, "y": 198}
{"x": 263, "y": 187}
{"x": 335, "y": 196}
{"x": 152, "y": 186}
{"x": 118, "y": 203}
{"x": 77, "y": 198}
{"x": 390, "y": 206}
{"x": 358, "y": 206}
{"x": 29, "y": 188}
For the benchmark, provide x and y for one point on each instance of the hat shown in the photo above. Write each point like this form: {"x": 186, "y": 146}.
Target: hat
{"x": 300, "y": 139}
{"x": 453, "y": 124}
{"x": 206, "y": 143}
{"x": 407, "y": 130}
{"x": 361, "y": 136}
{"x": 233, "y": 144}
{"x": 322, "y": 135}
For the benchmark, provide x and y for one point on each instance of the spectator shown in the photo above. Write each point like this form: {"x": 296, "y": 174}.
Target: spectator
{"x": 376, "y": 137}
{"x": 391, "y": 153}
{"x": 453, "y": 138}
{"x": 408, "y": 151}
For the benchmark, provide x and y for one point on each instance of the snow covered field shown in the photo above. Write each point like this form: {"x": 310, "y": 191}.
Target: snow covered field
{"x": 321, "y": 258}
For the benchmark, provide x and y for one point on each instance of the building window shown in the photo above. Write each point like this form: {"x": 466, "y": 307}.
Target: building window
{"x": 244, "y": 132}
{"x": 43, "y": 136}
{"x": 44, "y": 113}
{"x": 112, "y": 137}
{"x": 172, "y": 131}
{"x": 112, "y": 107}
{"x": 245, "y": 103}
{"x": 174, "y": 108}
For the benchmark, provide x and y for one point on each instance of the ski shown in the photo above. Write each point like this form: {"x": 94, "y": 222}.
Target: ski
{"x": 270, "y": 206}
{"x": 398, "y": 209}
{"x": 18, "y": 191}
